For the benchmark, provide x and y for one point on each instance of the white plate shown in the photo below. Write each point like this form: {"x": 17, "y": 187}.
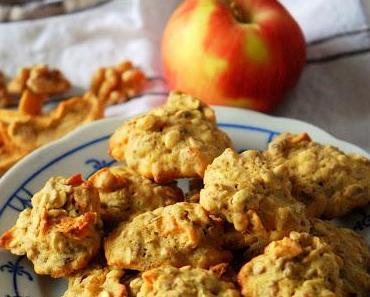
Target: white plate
{"x": 85, "y": 151}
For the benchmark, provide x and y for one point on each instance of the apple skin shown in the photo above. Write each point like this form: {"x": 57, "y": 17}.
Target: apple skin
{"x": 208, "y": 53}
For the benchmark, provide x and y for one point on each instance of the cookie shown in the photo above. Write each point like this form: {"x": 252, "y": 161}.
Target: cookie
{"x": 13, "y": 240}
{"x": 176, "y": 140}
{"x": 181, "y": 282}
{"x": 178, "y": 235}
{"x": 353, "y": 251}
{"x": 124, "y": 193}
{"x": 246, "y": 191}
{"x": 62, "y": 231}
{"x": 328, "y": 181}
{"x": 96, "y": 282}
{"x": 298, "y": 265}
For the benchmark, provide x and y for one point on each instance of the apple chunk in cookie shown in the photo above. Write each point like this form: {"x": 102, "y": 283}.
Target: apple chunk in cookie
{"x": 181, "y": 282}
{"x": 178, "y": 139}
{"x": 255, "y": 198}
{"x": 124, "y": 193}
{"x": 62, "y": 231}
{"x": 178, "y": 235}
{"x": 328, "y": 181}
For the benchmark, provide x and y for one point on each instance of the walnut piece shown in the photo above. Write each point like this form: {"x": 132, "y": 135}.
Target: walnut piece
{"x": 40, "y": 79}
{"x": 116, "y": 84}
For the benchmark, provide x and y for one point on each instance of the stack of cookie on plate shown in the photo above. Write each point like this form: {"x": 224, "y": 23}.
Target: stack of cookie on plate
{"x": 250, "y": 224}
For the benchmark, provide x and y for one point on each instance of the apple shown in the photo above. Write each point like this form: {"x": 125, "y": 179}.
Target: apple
{"x": 244, "y": 53}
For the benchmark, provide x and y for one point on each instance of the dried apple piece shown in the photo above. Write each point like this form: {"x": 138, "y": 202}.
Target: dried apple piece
{"x": 5, "y": 100}
{"x": 31, "y": 103}
{"x": 10, "y": 153}
{"x": 35, "y": 131}
{"x": 27, "y": 129}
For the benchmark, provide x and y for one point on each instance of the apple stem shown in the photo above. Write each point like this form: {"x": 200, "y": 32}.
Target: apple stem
{"x": 237, "y": 12}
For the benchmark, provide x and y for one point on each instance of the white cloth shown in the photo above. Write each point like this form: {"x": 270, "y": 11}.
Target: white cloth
{"x": 333, "y": 92}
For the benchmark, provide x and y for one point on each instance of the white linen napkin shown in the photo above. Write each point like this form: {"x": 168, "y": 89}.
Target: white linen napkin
{"x": 333, "y": 92}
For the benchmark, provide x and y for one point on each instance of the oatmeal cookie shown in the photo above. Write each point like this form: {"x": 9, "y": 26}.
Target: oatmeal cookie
{"x": 329, "y": 182}
{"x": 96, "y": 282}
{"x": 182, "y": 282}
{"x": 299, "y": 265}
{"x": 246, "y": 191}
{"x": 125, "y": 194}
{"x": 62, "y": 232}
{"x": 180, "y": 234}
{"x": 14, "y": 239}
{"x": 178, "y": 139}
{"x": 353, "y": 251}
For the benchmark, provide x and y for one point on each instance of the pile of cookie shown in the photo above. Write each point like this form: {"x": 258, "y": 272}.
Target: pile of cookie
{"x": 252, "y": 224}
{"x": 29, "y": 127}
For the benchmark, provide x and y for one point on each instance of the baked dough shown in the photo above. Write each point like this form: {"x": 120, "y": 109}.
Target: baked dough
{"x": 178, "y": 139}
{"x": 329, "y": 182}
{"x": 353, "y": 251}
{"x": 296, "y": 266}
{"x": 96, "y": 282}
{"x": 178, "y": 235}
{"x": 181, "y": 282}
{"x": 246, "y": 191}
{"x": 62, "y": 232}
{"x": 124, "y": 193}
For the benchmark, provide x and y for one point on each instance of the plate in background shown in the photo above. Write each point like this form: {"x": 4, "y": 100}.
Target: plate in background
{"x": 17, "y": 10}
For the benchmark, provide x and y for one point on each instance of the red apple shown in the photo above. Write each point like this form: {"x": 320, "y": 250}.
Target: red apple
{"x": 244, "y": 53}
